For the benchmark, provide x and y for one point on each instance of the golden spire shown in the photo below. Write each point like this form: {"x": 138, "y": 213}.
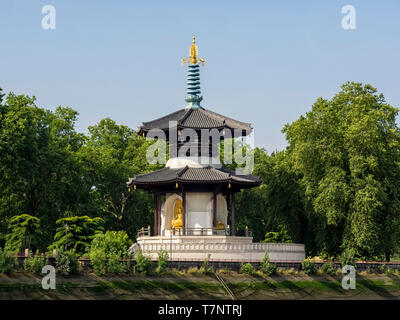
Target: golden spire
{"x": 193, "y": 51}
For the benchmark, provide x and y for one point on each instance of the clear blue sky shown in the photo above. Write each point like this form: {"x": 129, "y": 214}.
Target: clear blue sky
{"x": 267, "y": 61}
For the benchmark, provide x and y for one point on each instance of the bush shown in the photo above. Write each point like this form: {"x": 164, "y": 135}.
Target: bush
{"x": 266, "y": 266}
{"x": 113, "y": 245}
{"x": 308, "y": 266}
{"x": 143, "y": 263}
{"x": 382, "y": 268}
{"x": 206, "y": 268}
{"x": 246, "y": 268}
{"x": 7, "y": 262}
{"x": 328, "y": 268}
{"x": 162, "y": 261}
{"x": 115, "y": 265}
{"x": 348, "y": 258}
{"x": 98, "y": 262}
{"x": 193, "y": 270}
{"x": 35, "y": 264}
{"x": 66, "y": 262}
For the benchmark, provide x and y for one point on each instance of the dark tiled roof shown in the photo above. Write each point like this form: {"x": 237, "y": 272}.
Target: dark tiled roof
{"x": 195, "y": 118}
{"x": 192, "y": 176}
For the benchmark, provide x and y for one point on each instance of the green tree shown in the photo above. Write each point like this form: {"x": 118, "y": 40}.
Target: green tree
{"x": 24, "y": 233}
{"x": 76, "y": 233}
{"x": 346, "y": 153}
{"x": 277, "y": 204}
{"x": 39, "y": 171}
{"x": 112, "y": 154}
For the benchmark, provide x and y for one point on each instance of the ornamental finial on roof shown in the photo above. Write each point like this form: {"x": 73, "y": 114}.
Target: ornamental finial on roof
{"x": 193, "y": 51}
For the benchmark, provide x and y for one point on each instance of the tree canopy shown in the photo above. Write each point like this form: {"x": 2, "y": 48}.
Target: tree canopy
{"x": 335, "y": 187}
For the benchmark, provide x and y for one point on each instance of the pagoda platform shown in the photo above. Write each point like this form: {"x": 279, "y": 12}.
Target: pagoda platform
{"x": 219, "y": 247}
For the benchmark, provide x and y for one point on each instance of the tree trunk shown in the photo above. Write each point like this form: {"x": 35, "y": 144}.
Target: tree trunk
{"x": 387, "y": 255}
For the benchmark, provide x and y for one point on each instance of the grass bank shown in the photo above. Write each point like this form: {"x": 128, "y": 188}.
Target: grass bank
{"x": 181, "y": 285}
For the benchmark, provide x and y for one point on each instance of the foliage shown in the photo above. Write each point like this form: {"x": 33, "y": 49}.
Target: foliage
{"x": 35, "y": 263}
{"x": 76, "y": 233}
{"x": 112, "y": 245}
{"x": 115, "y": 265}
{"x": 66, "y": 262}
{"x": 143, "y": 264}
{"x": 328, "y": 268}
{"x": 348, "y": 257}
{"x": 206, "y": 267}
{"x": 335, "y": 187}
{"x": 24, "y": 231}
{"x": 111, "y": 154}
{"x": 345, "y": 152}
{"x": 7, "y": 262}
{"x": 162, "y": 261}
{"x": 98, "y": 260}
{"x": 266, "y": 266}
{"x": 382, "y": 268}
{"x": 277, "y": 237}
{"x": 247, "y": 268}
{"x": 49, "y": 171}
{"x": 308, "y": 266}
{"x": 39, "y": 171}
{"x": 277, "y": 204}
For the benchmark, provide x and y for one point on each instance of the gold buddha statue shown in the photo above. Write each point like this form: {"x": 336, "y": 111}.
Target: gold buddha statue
{"x": 220, "y": 225}
{"x": 177, "y": 222}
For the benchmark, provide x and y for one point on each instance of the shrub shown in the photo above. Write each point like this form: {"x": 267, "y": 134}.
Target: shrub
{"x": 24, "y": 233}
{"x": 98, "y": 261}
{"x": 76, "y": 233}
{"x": 389, "y": 271}
{"x": 7, "y": 262}
{"x": 143, "y": 263}
{"x": 246, "y": 268}
{"x": 206, "y": 267}
{"x": 266, "y": 266}
{"x": 115, "y": 265}
{"x": 35, "y": 264}
{"x": 382, "y": 268}
{"x": 162, "y": 261}
{"x": 66, "y": 262}
{"x": 308, "y": 266}
{"x": 193, "y": 270}
{"x": 348, "y": 258}
{"x": 113, "y": 245}
{"x": 328, "y": 268}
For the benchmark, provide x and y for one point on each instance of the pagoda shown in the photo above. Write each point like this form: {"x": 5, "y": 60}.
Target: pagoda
{"x": 194, "y": 194}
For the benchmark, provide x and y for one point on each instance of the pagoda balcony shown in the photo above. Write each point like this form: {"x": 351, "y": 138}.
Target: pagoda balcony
{"x": 146, "y": 232}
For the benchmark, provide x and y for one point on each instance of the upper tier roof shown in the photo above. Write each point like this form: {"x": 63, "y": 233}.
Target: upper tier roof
{"x": 196, "y": 118}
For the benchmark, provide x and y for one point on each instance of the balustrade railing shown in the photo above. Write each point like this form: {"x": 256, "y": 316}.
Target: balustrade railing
{"x": 199, "y": 231}
{"x": 143, "y": 232}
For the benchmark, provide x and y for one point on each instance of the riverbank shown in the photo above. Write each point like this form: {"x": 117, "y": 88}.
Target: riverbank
{"x": 180, "y": 285}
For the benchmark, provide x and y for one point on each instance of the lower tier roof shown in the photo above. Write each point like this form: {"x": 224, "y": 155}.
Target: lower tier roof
{"x": 193, "y": 176}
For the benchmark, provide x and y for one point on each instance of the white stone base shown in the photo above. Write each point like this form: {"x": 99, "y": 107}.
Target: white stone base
{"x": 220, "y": 248}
